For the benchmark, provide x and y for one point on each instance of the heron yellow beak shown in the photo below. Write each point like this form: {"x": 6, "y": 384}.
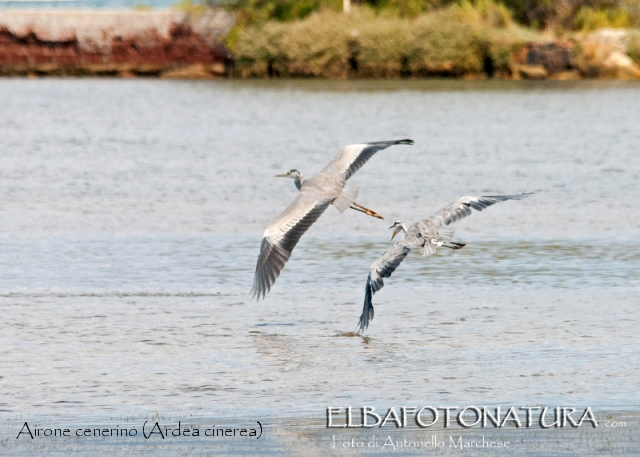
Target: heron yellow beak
{"x": 396, "y": 231}
{"x": 283, "y": 175}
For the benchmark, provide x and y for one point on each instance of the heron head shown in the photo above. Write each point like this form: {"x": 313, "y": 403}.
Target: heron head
{"x": 289, "y": 174}
{"x": 397, "y": 227}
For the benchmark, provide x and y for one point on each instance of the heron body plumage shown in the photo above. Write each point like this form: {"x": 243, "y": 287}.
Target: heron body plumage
{"x": 314, "y": 197}
{"x": 428, "y": 234}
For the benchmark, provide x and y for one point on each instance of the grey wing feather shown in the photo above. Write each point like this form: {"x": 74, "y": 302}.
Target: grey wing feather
{"x": 351, "y": 158}
{"x": 281, "y": 237}
{"x": 381, "y": 268}
{"x": 462, "y": 207}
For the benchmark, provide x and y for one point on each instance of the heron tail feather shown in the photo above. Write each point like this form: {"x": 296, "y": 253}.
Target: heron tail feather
{"x": 346, "y": 199}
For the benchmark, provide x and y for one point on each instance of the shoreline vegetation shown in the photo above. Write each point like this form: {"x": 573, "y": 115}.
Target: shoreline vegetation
{"x": 380, "y": 39}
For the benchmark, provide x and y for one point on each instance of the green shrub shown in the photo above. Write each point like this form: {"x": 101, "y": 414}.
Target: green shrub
{"x": 445, "y": 46}
{"x": 490, "y": 13}
{"x": 633, "y": 48}
{"x": 318, "y": 46}
{"x": 588, "y": 19}
{"x": 256, "y": 11}
{"x": 455, "y": 41}
{"x": 400, "y": 8}
{"x": 381, "y": 46}
{"x": 258, "y": 49}
{"x": 543, "y": 14}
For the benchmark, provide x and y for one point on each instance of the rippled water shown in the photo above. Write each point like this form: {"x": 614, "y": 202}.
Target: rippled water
{"x": 131, "y": 214}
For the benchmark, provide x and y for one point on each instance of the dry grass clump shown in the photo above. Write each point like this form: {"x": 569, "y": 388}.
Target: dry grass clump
{"x": 455, "y": 41}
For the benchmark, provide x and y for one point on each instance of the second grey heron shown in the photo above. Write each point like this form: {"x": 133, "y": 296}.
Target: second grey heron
{"x": 315, "y": 196}
{"x": 428, "y": 234}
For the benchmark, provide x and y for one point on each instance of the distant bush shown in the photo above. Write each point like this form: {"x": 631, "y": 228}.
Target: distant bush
{"x": 454, "y": 41}
{"x": 317, "y": 46}
{"x": 633, "y": 48}
{"x": 588, "y": 19}
{"x": 258, "y": 49}
{"x": 575, "y": 14}
{"x": 381, "y": 47}
{"x": 254, "y": 11}
{"x": 446, "y": 42}
{"x": 541, "y": 14}
{"x": 465, "y": 39}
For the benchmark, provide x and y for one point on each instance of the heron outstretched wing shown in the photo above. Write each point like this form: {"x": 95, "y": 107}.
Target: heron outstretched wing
{"x": 351, "y": 158}
{"x": 281, "y": 237}
{"x": 381, "y": 268}
{"x": 417, "y": 235}
{"x": 462, "y": 207}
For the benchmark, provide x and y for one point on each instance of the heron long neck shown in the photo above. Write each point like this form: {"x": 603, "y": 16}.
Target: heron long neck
{"x": 298, "y": 179}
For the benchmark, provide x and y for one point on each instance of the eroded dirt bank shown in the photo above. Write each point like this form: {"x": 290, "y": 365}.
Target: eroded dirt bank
{"x": 119, "y": 43}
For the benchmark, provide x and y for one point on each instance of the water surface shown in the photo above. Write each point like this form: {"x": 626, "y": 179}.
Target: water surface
{"x": 131, "y": 214}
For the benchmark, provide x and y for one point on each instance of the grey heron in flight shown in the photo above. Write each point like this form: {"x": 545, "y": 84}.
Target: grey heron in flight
{"x": 428, "y": 234}
{"x": 315, "y": 196}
